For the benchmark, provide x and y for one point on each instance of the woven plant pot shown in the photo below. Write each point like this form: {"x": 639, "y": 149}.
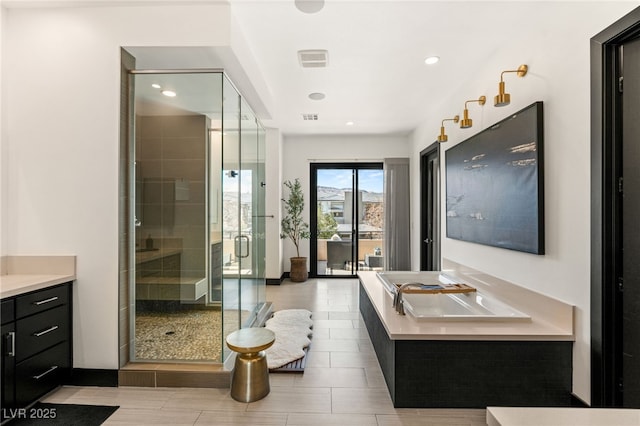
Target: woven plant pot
{"x": 298, "y": 269}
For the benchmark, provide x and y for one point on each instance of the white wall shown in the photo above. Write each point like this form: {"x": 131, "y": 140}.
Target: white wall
{"x": 273, "y": 176}
{"x": 300, "y": 151}
{"x": 63, "y": 68}
{"x": 557, "y": 53}
{"x": 3, "y": 144}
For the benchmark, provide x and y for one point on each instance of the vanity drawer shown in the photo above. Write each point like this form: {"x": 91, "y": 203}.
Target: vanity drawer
{"x": 42, "y": 300}
{"x": 7, "y": 311}
{"x": 38, "y": 332}
{"x": 41, "y": 373}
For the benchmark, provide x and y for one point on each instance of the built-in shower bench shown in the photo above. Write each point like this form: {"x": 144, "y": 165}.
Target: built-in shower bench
{"x": 159, "y": 277}
{"x": 170, "y": 288}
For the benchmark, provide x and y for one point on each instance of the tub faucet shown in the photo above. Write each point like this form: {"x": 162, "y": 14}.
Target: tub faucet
{"x": 398, "y": 303}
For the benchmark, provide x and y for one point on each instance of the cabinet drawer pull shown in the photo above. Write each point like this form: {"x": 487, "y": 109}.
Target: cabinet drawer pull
{"x": 48, "y": 330}
{"x": 42, "y": 302}
{"x": 11, "y": 343}
{"x": 39, "y": 376}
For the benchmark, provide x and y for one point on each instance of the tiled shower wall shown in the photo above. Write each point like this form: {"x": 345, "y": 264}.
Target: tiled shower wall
{"x": 171, "y": 154}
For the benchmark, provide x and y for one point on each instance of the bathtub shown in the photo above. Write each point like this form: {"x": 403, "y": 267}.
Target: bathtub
{"x": 475, "y": 306}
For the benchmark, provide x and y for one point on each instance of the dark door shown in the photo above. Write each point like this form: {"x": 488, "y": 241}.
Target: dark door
{"x": 630, "y": 218}
{"x": 430, "y": 208}
{"x": 615, "y": 204}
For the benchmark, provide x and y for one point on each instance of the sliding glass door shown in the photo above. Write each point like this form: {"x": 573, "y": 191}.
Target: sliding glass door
{"x": 347, "y": 216}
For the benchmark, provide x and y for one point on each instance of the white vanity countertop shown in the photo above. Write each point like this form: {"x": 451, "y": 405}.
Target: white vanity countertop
{"x": 562, "y": 416}
{"x": 22, "y": 274}
{"x": 544, "y": 325}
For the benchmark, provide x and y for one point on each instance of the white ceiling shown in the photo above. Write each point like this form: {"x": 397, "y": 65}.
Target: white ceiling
{"x": 376, "y": 76}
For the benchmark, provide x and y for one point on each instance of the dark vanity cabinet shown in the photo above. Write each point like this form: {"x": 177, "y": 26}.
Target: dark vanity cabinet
{"x": 36, "y": 344}
{"x": 8, "y": 331}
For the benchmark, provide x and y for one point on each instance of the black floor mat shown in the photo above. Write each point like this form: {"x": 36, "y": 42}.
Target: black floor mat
{"x": 60, "y": 414}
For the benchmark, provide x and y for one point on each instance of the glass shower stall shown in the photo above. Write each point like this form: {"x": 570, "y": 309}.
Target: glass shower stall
{"x": 198, "y": 190}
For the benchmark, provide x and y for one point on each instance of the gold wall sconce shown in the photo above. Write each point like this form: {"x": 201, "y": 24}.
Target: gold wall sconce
{"x": 466, "y": 122}
{"x": 442, "y": 137}
{"x": 502, "y": 98}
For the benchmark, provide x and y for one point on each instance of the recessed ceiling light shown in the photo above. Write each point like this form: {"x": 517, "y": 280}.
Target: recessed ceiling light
{"x": 155, "y": 85}
{"x": 431, "y": 60}
{"x": 309, "y": 6}
{"x": 316, "y": 96}
{"x": 169, "y": 93}
{"x": 349, "y": 123}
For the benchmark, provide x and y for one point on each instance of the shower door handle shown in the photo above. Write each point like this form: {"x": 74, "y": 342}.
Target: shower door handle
{"x": 240, "y": 242}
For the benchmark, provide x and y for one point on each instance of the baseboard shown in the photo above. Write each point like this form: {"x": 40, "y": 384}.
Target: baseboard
{"x": 577, "y": 402}
{"x": 285, "y": 275}
{"x": 193, "y": 376}
{"x": 93, "y": 377}
{"x": 278, "y": 281}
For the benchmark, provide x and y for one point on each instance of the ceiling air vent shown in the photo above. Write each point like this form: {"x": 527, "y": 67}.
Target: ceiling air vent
{"x": 310, "y": 117}
{"x": 313, "y": 58}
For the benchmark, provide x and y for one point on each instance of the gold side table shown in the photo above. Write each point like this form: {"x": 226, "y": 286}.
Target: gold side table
{"x": 250, "y": 377}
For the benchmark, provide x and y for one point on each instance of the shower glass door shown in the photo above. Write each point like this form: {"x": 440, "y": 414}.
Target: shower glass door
{"x": 250, "y": 210}
{"x": 172, "y": 317}
{"x": 231, "y": 208}
{"x": 243, "y": 212}
{"x": 199, "y": 216}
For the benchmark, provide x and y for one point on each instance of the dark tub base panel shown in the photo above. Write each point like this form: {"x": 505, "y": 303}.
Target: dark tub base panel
{"x": 470, "y": 374}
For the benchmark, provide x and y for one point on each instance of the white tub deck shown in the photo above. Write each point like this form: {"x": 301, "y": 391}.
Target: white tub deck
{"x": 549, "y": 319}
{"x": 562, "y": 416}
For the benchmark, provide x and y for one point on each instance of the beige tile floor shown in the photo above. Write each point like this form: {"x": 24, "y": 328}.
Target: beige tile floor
{"x": 342, "y": 383}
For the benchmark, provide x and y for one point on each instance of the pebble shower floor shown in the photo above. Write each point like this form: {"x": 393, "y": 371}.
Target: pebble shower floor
{"x": 194, "y": 335}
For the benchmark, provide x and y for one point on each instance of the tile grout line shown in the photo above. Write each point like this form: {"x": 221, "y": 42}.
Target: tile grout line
{"x": 331, "y": 400}
{"x": 198, "y": 418}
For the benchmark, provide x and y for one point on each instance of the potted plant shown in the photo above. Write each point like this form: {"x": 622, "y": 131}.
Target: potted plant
{"x": 295, "y": 228}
